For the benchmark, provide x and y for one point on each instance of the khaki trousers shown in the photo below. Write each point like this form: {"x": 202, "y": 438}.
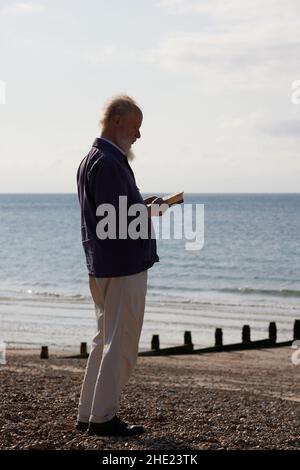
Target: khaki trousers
{"x": 119, "y": 306}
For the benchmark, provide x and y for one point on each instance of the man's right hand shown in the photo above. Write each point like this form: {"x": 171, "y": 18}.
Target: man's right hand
{"x": 157, "y": 207}
{"x": 149, "y": 200}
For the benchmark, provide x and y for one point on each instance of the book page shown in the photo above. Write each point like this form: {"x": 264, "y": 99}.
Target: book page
{"x": 175, "y": 198}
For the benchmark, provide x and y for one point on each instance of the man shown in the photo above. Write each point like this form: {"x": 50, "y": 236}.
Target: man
{"x": 117, "y": 270}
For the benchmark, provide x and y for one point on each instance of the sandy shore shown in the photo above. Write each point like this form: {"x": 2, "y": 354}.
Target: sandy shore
{"x": 238, "y": 400}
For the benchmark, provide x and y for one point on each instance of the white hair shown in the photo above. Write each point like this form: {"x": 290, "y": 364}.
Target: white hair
{"x": 118, "y": 105}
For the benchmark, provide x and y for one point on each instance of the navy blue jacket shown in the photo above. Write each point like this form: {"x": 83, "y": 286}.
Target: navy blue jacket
{"x": 104, "y": 175}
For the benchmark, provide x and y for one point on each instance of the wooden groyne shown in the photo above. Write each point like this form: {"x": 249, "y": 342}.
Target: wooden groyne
{"x": 83, "y": 353}
{"x": 246, "y": 343}
{"x": 188, "y": 348}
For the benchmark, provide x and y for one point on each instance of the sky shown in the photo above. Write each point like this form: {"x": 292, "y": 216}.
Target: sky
{"x": 215, "y": 80}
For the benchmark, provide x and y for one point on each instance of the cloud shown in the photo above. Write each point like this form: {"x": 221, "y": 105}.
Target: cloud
{"x": 233, "y": 58}
{"x": 232, "y": 45}
{"x": 285, "y": 128}
{"x": 228, "y": 50}
{"x": 236, "y": 41}
{"x": 113, "y": 54}
{"x": 21, "y": 8}
{"x": 231, "y": 11}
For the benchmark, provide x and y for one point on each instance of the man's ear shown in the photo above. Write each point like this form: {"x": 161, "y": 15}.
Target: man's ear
{"x": 117, "y": 119}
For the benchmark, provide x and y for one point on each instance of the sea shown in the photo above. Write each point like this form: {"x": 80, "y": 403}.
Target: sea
{"x": 245, "y": 271}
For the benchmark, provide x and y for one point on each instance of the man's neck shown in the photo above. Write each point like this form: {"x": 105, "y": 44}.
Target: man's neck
{"x": 109, "y": 136}
{"x": 111, "y": 139}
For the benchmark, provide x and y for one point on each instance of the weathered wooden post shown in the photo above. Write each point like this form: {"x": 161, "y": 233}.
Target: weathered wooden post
{"x": 44, "y": 352}
{"x": 218, "y": 337}
{"x": 246, "y": 334}
{"x": 83, "y": 350}
{"x": 188, "y": 338}
{"x": 155, "y": 342}
{"x": 272, "y": 332}
{"x": 297, "y": 329}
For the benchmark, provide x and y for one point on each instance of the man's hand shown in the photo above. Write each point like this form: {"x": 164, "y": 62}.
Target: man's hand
{"x": 149, "y": 199}
{"x": 159, "y": 201}
{"x": 157, "y": 206}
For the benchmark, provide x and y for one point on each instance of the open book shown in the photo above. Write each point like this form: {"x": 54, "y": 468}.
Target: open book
{"x": 176, "y": 198}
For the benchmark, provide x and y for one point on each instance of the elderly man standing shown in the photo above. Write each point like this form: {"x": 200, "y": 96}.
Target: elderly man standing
{"x": 117, "y": 269}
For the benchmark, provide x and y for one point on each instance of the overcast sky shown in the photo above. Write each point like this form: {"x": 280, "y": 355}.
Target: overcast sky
{"x": 213, "y": 77}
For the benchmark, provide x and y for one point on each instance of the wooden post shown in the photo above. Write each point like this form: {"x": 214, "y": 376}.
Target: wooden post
{"x": 155, "y": 342}
{"x": 297, "y": 329}
{"x": 188, "y": 338}
{"x": 83, "y": 349}
{"x": 246, "y": 334}
{"x": 44, "y": 352}
{"x": 218, "y": 337}
{"x": 273, "y": 332}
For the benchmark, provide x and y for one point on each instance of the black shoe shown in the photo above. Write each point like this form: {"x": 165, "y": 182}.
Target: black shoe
{"x": 81, "y": 426}
{"x": 114, "y": 427}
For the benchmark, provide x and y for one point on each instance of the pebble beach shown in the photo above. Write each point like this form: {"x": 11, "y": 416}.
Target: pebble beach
{"x": 238, "y": 400}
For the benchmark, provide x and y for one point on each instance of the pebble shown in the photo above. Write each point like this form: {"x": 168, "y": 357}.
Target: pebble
{"x": 177, "y": 413}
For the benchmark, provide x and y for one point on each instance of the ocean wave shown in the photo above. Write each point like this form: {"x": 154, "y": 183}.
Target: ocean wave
{"x": 44, "y": 295}
{"x": 269, "y": 292}
{"x": 230, "y": 290}
{"x": 161, "y": 293}
{"x": 59, "y": 295}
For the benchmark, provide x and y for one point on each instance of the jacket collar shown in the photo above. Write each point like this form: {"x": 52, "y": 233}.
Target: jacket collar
{"x": 103, "y": 144}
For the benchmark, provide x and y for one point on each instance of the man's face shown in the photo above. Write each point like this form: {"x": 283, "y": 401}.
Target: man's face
{"x": 128, "y": 130}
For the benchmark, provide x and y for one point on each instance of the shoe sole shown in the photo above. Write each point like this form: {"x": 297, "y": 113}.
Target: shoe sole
{"x": 107, "y": 434}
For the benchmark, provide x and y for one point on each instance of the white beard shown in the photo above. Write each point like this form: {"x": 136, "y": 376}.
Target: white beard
{"x": 126, "y": 145}
{"x": 130, "y": 155}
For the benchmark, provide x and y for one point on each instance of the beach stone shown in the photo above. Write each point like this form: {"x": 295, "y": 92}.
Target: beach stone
{"x": 176, "y": 406}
